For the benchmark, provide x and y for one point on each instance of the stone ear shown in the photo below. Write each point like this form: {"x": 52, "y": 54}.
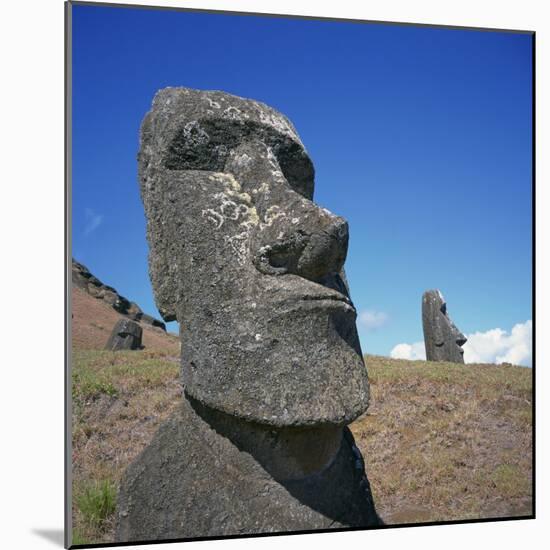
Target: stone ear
{"x": 438, "y": 336}
{"x": 164, "y": 283}
{"x": 163, "y": 248}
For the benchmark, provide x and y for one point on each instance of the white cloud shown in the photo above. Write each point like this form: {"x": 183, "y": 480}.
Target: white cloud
{"x": 93, "y": 221}
{"x": 493, "y": 346}
{"x": 499, "y": 346}
{"x": 409, "y": 351}
{"x": 371, "y": 320}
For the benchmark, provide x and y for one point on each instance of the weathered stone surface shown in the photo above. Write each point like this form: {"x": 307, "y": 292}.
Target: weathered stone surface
{"x": 122, "y": 305}
{"x": 202, "y": 475}
{"x": 80, "y": 275}
{"x": 271, "y": 364}
{"x": 247, "y": 263}
{"x": 110, "y": 297}
{"x": 134, "y": 312}
{"x": 93, "y": 290}
{"x": 126, "y": 335}
{"x": 82, "y": 278}
{"x": 144, "y": 318}
{"x": 442, "y": 339}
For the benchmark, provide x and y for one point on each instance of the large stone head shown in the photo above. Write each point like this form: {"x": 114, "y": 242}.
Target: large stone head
{"x": 442, "y": 339}
{"x": 247, "y": 263}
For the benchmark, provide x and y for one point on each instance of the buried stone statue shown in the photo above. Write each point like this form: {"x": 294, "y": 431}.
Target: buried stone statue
{"x": 442, "y": 339}
{"x": 126, "y": 335}
{"x": 271, "y": 364}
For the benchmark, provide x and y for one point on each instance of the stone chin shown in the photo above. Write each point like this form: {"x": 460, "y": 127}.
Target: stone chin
{"x": 298, "y": 364}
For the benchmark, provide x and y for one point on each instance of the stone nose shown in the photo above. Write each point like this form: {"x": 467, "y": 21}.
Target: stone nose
{"x": 293, "y": 235}
{"x": 461, "y": 339}
{"x": 307, "y": 241}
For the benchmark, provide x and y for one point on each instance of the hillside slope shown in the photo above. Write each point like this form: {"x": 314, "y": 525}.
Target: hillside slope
{"x": 444, "y": 441}
{"x": 441, "y": 441}
{"x": 93, "y": 320}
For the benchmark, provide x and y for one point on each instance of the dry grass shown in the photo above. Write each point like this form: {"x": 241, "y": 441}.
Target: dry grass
{"x": 447, "y": 442}
{"x": 440, "y": 441}
{"x": 119, "y": 400}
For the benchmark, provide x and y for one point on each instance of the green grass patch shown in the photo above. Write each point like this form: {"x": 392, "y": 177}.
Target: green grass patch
{"x": 508, "y": 480}
{"x": 496, "y": 377}
{"x": 97, "y": 501}
{"x": 89, "y": 384}
{"x": 79, "y": 538}
{"x": 105, "y": 372}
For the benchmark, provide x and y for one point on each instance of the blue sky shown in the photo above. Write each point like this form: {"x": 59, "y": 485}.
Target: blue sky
{"x": 421, "y": 138}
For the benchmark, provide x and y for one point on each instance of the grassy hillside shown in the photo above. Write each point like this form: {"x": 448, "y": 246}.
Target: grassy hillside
{"x": 445, "y": 442}
{"x": 93, "y": 320}
{"x": 440, "y": 441}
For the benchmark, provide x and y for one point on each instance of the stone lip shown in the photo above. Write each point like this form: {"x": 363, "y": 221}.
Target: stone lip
{"x": 443, "y": 340}
{"x": 201, "y": 480}
{"x": 84, "y": 279}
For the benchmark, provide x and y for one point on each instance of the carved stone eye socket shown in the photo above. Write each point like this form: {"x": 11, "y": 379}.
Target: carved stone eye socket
{"x": 206, "y": 144}
{"x": 192, "y": 148}
{"x": 444, "y": 309}
{"x": 296, "y": 167}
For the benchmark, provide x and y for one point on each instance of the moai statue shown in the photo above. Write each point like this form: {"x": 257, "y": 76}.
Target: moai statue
{"x": 271, "y": 364}
{"x": 442, "y": 339}
{"x": 126, "y": 334}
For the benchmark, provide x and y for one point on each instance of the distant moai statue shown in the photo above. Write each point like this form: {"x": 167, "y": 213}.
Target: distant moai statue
{"x": 271, "y": 363}
{"x": 442, "y": 339}
{"x": 126, "y": 335}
